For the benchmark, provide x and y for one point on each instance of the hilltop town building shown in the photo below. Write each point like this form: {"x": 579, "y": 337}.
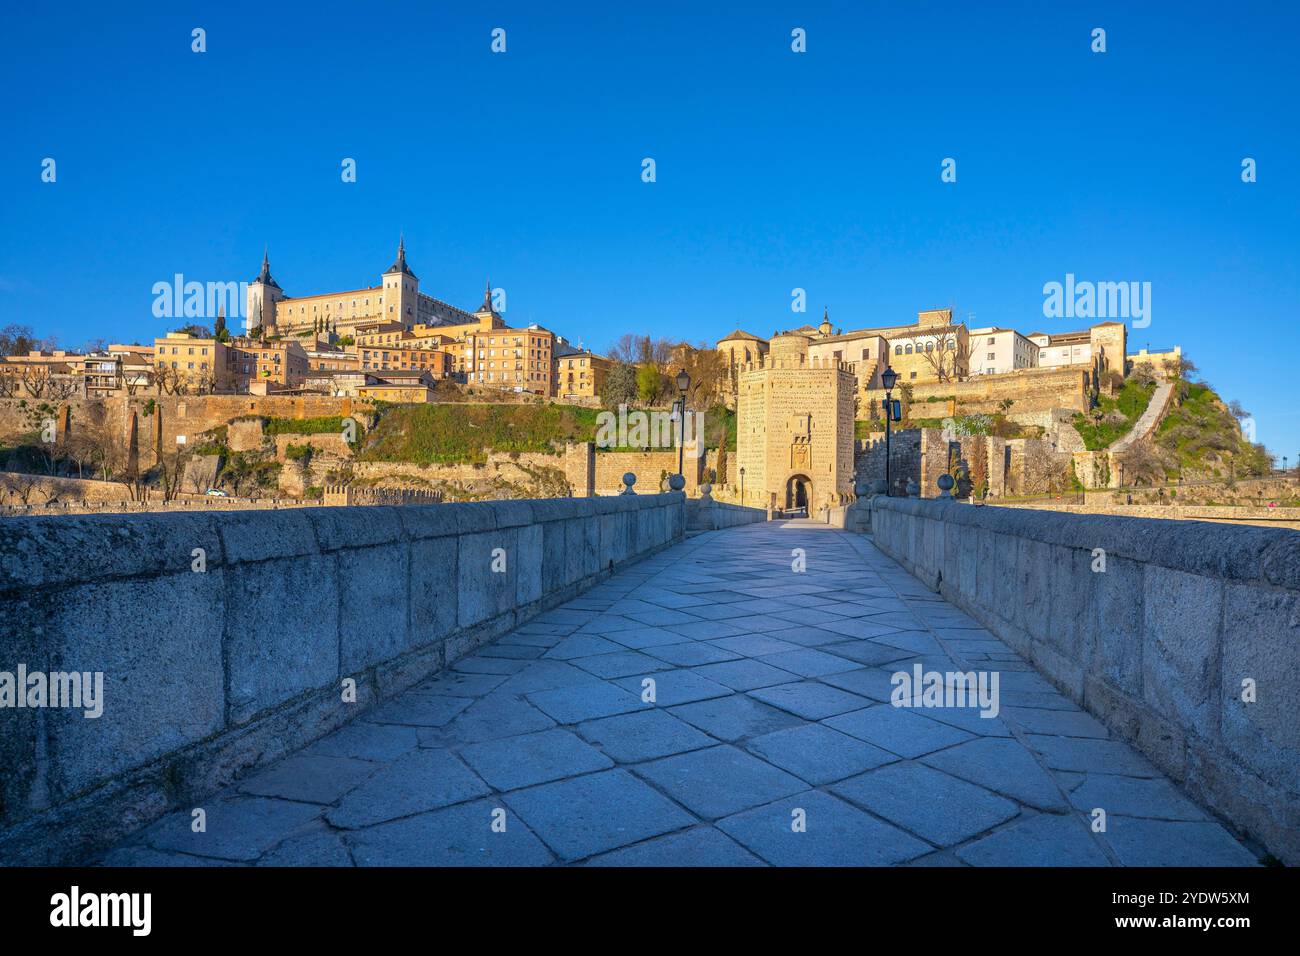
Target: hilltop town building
{"x": 579, "y": 373}
{"x": 397, "y": 299}
{"x": 995, "y": 351}
{"x": 936, "y": 350}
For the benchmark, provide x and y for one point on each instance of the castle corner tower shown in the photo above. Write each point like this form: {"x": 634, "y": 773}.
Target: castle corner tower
{"x": 401, "y": 290}
{"x": 263, "y": 293}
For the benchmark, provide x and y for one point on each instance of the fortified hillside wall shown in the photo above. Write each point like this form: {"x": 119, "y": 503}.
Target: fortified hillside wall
{"x": 159, "y": 419}
{"x": 216, "y": 668}
{"x": 1031, "y": 390}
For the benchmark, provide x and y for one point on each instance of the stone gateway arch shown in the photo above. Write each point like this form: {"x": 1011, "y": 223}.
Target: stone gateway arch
{"x": 794, "y": 428}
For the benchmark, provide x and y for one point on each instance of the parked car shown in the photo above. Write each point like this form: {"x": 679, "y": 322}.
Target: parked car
{"x": 216, "y": 493}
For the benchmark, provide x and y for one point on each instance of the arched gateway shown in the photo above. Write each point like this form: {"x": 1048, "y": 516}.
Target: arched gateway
{"x": 798, "y": 492}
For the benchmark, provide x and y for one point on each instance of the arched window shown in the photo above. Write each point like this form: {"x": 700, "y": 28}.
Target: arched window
{"x": 952, "y": 345}
{"x": 929, "y": 346}
{"x": 909, "y": 348}
{"x": 898, "y": 350}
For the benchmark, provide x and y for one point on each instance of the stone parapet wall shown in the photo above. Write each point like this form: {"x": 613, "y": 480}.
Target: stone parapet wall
{"x": 227, "y": 641}
{"x": 1243, "y": 514}
{"x": 712, "y": 515}
{"x": 1157, "y": 646}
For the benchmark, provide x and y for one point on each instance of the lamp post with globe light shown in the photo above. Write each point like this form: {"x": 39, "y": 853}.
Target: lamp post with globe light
{"x": 683, "y": 383}
{"x": 889, "y": 378}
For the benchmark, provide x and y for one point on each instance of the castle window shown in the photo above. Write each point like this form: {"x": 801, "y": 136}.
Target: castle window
{"x": 952, "y": 345}
{"x": 909, "y": 349}
{"x": 929, "y": 346}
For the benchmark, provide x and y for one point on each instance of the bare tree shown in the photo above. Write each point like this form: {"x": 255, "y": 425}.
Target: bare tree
{"x": 62, "y": 387}
{"x": 10, "y": 380}
{"x": 81, "y": 450}
{"x": 1185, "y": 368}
{"x": 707, "y": 369}
{"x": 104, "y": 452}
{"x": 1143, "y": 463}
{"x": 36, "y": 380}
{"x": 173, "y": 471}
{"x": 1045, "y": 471}
{"x": 946, "y": 353}
{"x": 202, "y": 473}
{"x": 26, "y": 488}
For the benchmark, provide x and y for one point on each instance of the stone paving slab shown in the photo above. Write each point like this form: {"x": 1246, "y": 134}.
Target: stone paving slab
{"x": 771, "y": 738}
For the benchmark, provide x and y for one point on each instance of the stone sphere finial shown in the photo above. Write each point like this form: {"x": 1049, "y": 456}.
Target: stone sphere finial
{"x": 706, "y": 492}
{"x": 913, "y": 489}
{"x": 676, "y": 482}
{"x": 629, "y": 479}
{"x": 945, "y": 484}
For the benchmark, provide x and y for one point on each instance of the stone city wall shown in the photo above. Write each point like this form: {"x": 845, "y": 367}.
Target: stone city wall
{"x": 648, "y": 466}
{"x": 1031, "y": 390}
{"x": 161, "y": 418}
{"x": 208, "y": 674}
{"x": 1157, "y": 646}
{"x": 18, "y": 489}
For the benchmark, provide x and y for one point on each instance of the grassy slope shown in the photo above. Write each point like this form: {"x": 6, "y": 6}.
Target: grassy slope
{"x": 447, "y": 434}
{"x": 452, "y": 434}
{"x": 1202, "y": 435}
{"x": 1131, "y": 402}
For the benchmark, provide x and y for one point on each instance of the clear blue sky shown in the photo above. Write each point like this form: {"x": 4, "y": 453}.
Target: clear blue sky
{"x": 775, "y": 170}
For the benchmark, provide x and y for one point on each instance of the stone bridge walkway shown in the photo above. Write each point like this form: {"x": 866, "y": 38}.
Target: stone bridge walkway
{"x": 770, "y": 740}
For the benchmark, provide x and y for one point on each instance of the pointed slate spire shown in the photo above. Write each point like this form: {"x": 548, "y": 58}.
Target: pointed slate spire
{"x": 264, "y": 276}
{"x": 487, "y": 298}
{"x": 400, "y": 265}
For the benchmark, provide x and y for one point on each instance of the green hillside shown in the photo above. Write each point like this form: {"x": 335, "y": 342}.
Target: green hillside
{"x": 1113, "y": 418}
{"x": 456, "y": 433}
{"x": 451, "y": 434}
{"x": 1202, "y": 438}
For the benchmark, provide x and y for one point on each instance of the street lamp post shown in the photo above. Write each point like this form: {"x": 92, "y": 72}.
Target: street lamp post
{"x": 683, "y": 383}
{"x": 742, "y": 484}
{"x": 889, "y": 378}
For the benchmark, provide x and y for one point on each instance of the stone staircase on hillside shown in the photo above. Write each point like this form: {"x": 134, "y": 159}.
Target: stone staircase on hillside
{"x": 1148, "y": 420}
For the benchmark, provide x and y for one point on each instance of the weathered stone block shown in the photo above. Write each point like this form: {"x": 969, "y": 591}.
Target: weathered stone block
{"x": 47, "y": 551}
{"x": 24, "y": 625}
{"x": 555, "y": 550}
{"x": 528, "y": 582}
{"x": 356, "y": 527}
{"x": 435, "y": 597}
{"x": 278, "y": 534}
{"x": 1117, "y": 623}
{"x": 157, "y": 642}
{"x": 373, "y": 604}
{"x": 1261, "y": 643}
{"x": 428, "y": 521}
{"x": 282, "y": 632}
{"x": 485, "y": 593}
{"x": 1180, "y": 624}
